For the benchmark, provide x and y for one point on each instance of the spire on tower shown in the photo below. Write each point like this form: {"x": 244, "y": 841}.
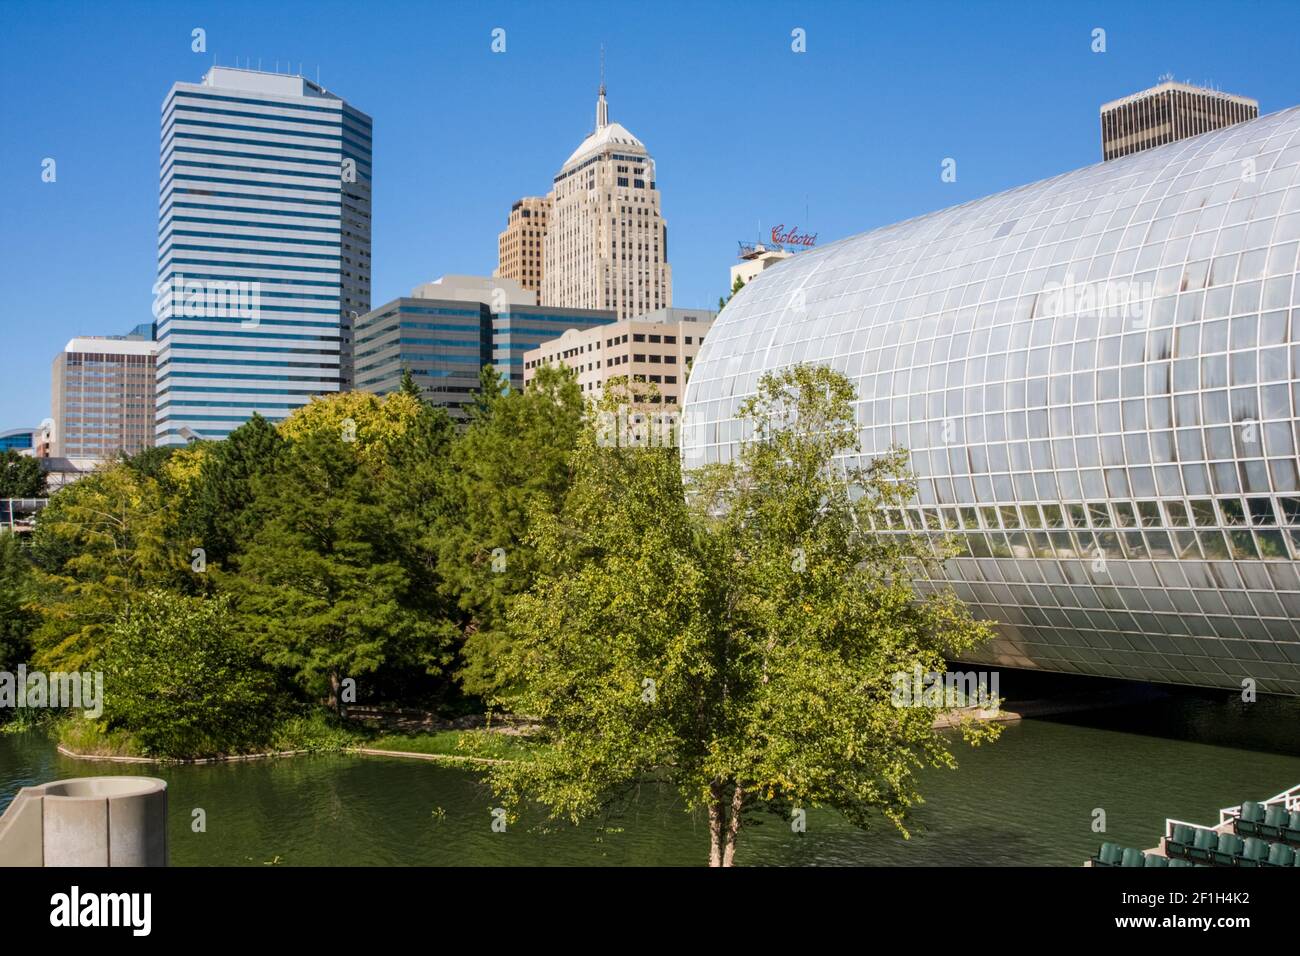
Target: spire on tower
{"x": 602, "y": 108}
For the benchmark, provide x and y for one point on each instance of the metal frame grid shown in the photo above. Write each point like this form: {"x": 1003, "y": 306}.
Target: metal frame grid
{"x": 1120, "y": 469}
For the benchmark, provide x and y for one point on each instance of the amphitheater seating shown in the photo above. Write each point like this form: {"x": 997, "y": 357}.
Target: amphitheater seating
{"x": 1260, "y": 836}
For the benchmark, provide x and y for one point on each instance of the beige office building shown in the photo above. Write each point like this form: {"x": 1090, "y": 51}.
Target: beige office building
{"x": 658, "y": 348}
{"x": 519, "y": 247}
{"x": 607, "y": 246}
{"x": 102, "y": 397}
{"x": 1166, "y": 113}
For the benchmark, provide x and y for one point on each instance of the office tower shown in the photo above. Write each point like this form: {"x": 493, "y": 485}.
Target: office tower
{"x": 519, "y": 247}
{"x": 102, "y": 397}
{"x": 657, "y": 348}
{"x": 1168, "y": 112}
{"x": 263, "y": 248}
{"x": 1113, "y": 449}
{"x": 607, "y": 246}
{"x": 447, "y": 330}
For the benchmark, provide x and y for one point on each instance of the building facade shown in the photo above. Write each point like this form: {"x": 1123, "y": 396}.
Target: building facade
{"x": 447, "y": 330}
{"x": 519, "y": 247}
{"x": 754, "y": 259}
{"x": 658, "y": 348}
{"x": 1097, "y": 377}
{"x": 102, "y": 397}
{"x": 263, "y": 249}
{"x": 1168, "y": 112}
{"x": 607, "y": 245}
{"x": 19, "y": 439}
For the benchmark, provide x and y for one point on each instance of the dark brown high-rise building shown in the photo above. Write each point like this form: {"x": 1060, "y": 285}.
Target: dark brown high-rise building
{"x": 1168, "y": 112}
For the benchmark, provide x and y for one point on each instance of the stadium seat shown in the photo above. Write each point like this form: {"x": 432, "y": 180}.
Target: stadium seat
{"x": 1133, "y": 857}
{"x": 1291, "y": 832}
{"x": 1229, "y": 848}
{"x": 1254, "y": 853}
{"x": 1111, "y": 854}
{"x": 1205, "y": 843}
{"x": 1275, "y": 822}
{"x": 1279, "y": 854}
{"x": 1178, "y": 844}
{"x": 1154, "y": 859}
{"x": 1252, "y": 815}
{"x": 1180, "y": 862}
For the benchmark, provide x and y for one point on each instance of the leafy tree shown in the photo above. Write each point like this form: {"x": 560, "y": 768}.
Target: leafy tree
{"x": 409, "y": 387}
{"x": 16, "y": 617}
{"x": 20, "y": 476}
{"x": 512, "y": 460}
{"x": 321, "y": 589}
{"x": 741, "y": 640}
{"x": 98, "y": 542}
{"x": 735, "y": 287}
{"x": 215, "y": 512}
{"x": 181, "y": 682}
{"x": 374, "y": 426}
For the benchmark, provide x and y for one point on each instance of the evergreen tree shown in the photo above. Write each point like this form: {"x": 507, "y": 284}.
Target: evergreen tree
{"x": 322, "y": 589}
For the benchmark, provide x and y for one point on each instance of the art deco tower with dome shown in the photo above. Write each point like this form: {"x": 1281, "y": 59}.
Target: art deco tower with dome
{"x": 607, "y": 244}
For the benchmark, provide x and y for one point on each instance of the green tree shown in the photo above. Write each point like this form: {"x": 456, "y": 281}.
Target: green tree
{"x": 16, "y": 616}
{"x": 321, "y": 589}
{"x": 735, "y": 287}
{"x": 409, "y": 387}
{"x": 742, "y": 640}
{"x": 98, "y": 542}
{"x": 512, "y": 460}
{"x": 215, "y": 512}
{"x": 181, "y": 682}
{"x": 20, "y": 476}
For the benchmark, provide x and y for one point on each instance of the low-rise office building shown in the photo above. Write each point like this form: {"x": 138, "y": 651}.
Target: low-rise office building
{"x": 447, "y": 330}
{"x": 102, "y": 396}
{"x": 657, "y": 348}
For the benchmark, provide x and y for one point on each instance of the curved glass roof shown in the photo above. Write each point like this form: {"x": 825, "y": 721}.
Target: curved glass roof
{"x": 1095, "y": 371}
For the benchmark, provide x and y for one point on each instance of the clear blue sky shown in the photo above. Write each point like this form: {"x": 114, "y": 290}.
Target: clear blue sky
{"x": 743, "y": 129}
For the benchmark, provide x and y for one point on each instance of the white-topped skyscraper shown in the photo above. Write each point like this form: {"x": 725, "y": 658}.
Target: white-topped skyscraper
{"x": 607, "y": 243}
{"x": 263, "y": 249}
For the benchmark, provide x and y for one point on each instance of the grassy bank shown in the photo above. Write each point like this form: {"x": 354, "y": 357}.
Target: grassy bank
{"x": 313, "y": 732}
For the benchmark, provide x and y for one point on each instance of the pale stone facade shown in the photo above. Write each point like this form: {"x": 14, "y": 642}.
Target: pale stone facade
{"x": 607, "y": 245}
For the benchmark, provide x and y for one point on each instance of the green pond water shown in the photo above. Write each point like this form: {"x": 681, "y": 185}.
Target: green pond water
{"x": 1027, "y": 799}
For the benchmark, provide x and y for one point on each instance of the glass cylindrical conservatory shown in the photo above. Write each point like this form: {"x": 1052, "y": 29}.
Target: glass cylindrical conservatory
{"x": 1096, "y": 378}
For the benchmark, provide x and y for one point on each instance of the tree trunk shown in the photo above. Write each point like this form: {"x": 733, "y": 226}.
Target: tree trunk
{"x": 724, "y": 823}
{"x": 335, "y": 689}
{"x": 733, "y": 826}
{"x": 717, "y": 825}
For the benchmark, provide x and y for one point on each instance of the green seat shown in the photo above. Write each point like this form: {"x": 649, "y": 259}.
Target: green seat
{"x": 1178, "y": 862}
{"x": 1275, "y": 821}
{"x": 1133, "y": 857}
{"x": 1291, "y": 832}
{"x": 1181, "y": 839}
{"x": 1229, "y": 848}
{"x": 1279, "y": 854}
{"x": 1254, "y": 853}
{"x": 1111, "y": 854}
{"x": 1252, "y": 815}
{"x": 1153, "y": 859}
{"x": 1205, "y": 843}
